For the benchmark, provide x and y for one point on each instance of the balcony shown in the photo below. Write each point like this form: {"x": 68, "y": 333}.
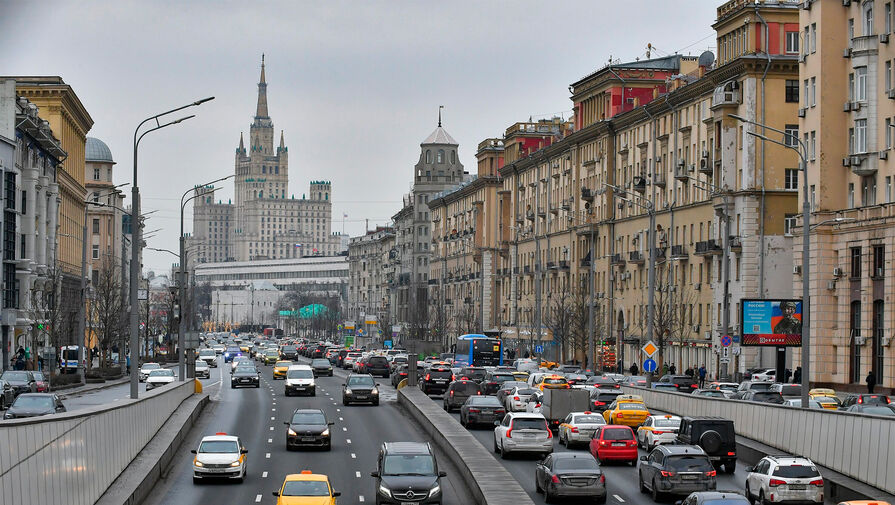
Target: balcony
{"x": 616, "y": 259}
{"x": 707, "y": 248}
{"x": 659, "y": 178}
{"x": 433, "y": 282}
{"x": 639, "y": 184}
{"x": 635, "y": 257}
{"x": 862, "y": 165}
{"x": 727, "y": 95}
{"x": 736, "y": 244}
{"x": 706, "y": 166}
{"x": 551, "y": 265}
{"x": 587, "y": 194}
{"x": 563, "y": 264}
{"x": 864, "y": 46}
{"x": 542, "y": 213}
{"x": 681, "y": 172}
{"x": 526, "y": 269}
{"x": 584, "y": 262}
{"x": 679, "y": 252}
{"x": 520, "y": 219}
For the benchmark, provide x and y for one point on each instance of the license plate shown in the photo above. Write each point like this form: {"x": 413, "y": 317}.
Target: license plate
{"x": 618, "y": 444}
{"x": 244, "y": 380}
{"x": 308, "y": 439}
{"x": 797, "y": 487}
{"x": 688, "y": 477}
{"x": 441, "y": 381}
{"x": 410, "y": 503}
{"x": 361, "y": 397}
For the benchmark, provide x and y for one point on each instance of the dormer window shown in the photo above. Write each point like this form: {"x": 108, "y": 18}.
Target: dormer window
{"x": 428, "y": 156}
{"x": 440, "y": 157}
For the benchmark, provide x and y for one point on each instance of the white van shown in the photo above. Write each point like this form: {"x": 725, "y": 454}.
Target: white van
{"x": 300, "y": 379}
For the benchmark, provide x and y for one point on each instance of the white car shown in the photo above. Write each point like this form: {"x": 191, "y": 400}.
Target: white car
{"x": 658, "y": 430}
{"x": 579, "y": 427}
{"x": 160, "y": 377}
{"x": 523, "y": 432}
{"x": 780, "y": 479}
{"x": 764, "y": 375}
{"x": 146, "y": 368}
{"x": 219, "y": 349}
{"x": 202, "y": 370}
{"x": 300, "y": 379}
{"x": 220, "y": 456}
{"x": 209, "y": 357}
{"x": 517, "y": 399}
{"x": 534, "y": 403}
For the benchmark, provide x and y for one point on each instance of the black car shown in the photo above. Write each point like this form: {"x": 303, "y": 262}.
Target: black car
{"x": 601, "y": 381}
{"x": 715, "y": 435}
{"x": 764, "y": 397}
{"x": 289, "y": 352}
{"x": 570, "y": 475}
{"x": 321, "y": 367}
{"x": 360, "y": 388}
{"x": 21, "y": 381}
{"x": 436, "y": 380}
{"x": 684, "y": 383}
{"x": 407, "y": 472}
{"x": 600, "y": 399}
{"x": 308, "y": 428}
{"x": 473, "y": 373}
{"x": 245, "y": 376}
{"x": 851, "y": 399}
{"x": 34, "y": 404}
{"x": 401, "y": 372}
{"x": 7, "y": 396}
{"x": 492, "y": 381}
{"x": 458, "y": 392}
{"x": 377, "y": 366}
{"x": 398, "y": 361}
{"x": 481, "y": 410}
{"x": 676, "y": 469}
{"x": 576, "y": 378}
{"x": 318, "y": 352}
{"x": 337, "y": 357}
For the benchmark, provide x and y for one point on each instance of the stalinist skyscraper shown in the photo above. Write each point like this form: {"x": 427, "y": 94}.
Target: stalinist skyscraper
{"x": 266, "y": 221}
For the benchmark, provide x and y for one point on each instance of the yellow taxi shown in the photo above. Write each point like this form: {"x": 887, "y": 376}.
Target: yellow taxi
{"x": 244, "y": 347}
{"x": 628, "y": 410}
{"x": 306, "y": 488}
{"x": 549, "y": 365}
{"x": 280, "y": 368}
{"x": 554, "y": 382}
{"x": 521, "y": 376}
{"x": 825, "y": 397}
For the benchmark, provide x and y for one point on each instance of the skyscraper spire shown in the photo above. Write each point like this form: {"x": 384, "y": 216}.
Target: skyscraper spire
{"x": 261, "y": 111}
{"x": 439, "y": 115}
{"x": 282, "y": 142}
{"x": 242, "y": 146}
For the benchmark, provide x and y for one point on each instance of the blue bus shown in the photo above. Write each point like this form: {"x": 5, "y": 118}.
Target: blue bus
{"x": 478, "y": 350}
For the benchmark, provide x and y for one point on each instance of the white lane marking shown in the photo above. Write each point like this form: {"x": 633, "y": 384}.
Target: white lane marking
{"x": 619, "y": 498}
{"x": 338, "y": 410}
{"x": 263, "y": 475}
{"x": 344, "y": 429}
{"x": 360, "y": 498}
{"x": 334, "y": 403}
{"x": 267, "y": 455}
{"x": 115, "y": 400}
{"x": 341, "y": 419}
{"x": 348, "y": 440}
{"x": 274, "y": 403}
{"x": 269, "y": 440}
{"x": 273, "y": 410}
{"x": 258, "y": 499}
{"x": 353, "y": 456}
{"x": 357, "y": 474}
{"x": 271, "y": 428}
{"x": 272, "y": 418}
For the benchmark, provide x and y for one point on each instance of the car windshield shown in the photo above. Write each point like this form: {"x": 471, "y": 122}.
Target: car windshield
{"x": 33, "y": 402}
{"x": 688, "y": 463}
{"x": 244, "y": 370}
{"x": 320, "y": 362}
{"x": 308, "y": 418}
{"x": 151, "y": 366}
{"x": 667, "y": 423}
{"x": 201, "y": 364}
{"x": 233, "y": 349}
{"x": 618, "y": 434}
{"x": 760, "y": 386}
{"x": 767, "y": 396}
{"x": 305, "y": 488}
{"x": 161, "y": 373}
{"x": 465, "y": 387}
{"x": 734, "y": 501}
{"x": 272, "y": 354}
{"x": 600, "y": 380}
{"x": 484, "y": 401}
{"x": 408, "y": 464}
{"x": 631, "y": 406}
{"x": 282, "y": 364}
{"x": 219, "y": 446}
{"x": 589, "y": 419}
{"x": 796, "y": 472}
{"x": 607, "y": 397}
{"x": 529, "y": 424}
{"x": 38, "y": 376}
{"x": 528, "y": 392}
{"x": 713, "y": 394}
{"x": 360, "y": 381}
{"x": 299, "y": 373}
{"x": 791, "y": 389}
{"x": 206, "y": 352}
{"x": 636, "y": 378}
{"x": 867, "y": 399}
{"x": 14, "y": 376}
{"x": 378, "y": 360}
{"x": 576, "y": 464}
{"x": 555, "y": 380}
{"x": 289, "y": 348}
{"x": 500, "y": 378}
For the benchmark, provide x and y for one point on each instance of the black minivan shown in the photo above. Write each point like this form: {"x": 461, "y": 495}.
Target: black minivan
{"x": 458, "y": 392}
{"x": 377, "y": 366}
{"x": 407, "y": 472}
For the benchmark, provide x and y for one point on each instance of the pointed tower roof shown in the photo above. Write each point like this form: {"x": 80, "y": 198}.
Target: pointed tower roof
{"x": 282, "y": 142}
{"x": 261, "y": 111}
{"x": 242, "y": 146}
{"x": 439, "y": 136}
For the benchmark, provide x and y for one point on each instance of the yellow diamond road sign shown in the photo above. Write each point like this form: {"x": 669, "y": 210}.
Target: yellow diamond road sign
{"x": 650, "y": 348}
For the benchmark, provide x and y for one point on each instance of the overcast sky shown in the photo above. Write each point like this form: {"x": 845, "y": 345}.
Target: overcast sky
{"x": 356, "y": 85}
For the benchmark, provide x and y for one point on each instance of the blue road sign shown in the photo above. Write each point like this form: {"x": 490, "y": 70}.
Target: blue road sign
{"x": 539, "y": 348}
{"x": 649, "y": 365}
{"x": 725, "y": 341}
{"x": 387, "y": 344}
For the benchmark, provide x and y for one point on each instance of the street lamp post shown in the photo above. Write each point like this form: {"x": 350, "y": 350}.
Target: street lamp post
{"x": 802, "y": 150}
{"x": 137, "y": 244}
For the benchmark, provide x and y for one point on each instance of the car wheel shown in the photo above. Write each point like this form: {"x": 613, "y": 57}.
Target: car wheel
{"x": 656, "y": 494}
{"x": 445, "y": 407}
{"x": 761, "y": 500}
{"x": 232, "y": 386}
{"x": 197, "y": 480}
{"x": 640, "y": 480}
{"x": 376, "y": 403}
{"x": 650, "y": 447}
{"x": 538, "y": 485}
{"x": 548, "y": 496}
{"x": 344, "y": 402}
{"x": 730, "y": 467}
{"x": 496, "y": 450}
{"x": 749, "y": 493}
{"x": 503, "y": 453}
{"x": 601, "y": 499}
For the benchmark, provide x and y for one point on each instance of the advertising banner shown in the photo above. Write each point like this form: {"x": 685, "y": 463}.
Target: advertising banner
{"x": 773, "y": 323}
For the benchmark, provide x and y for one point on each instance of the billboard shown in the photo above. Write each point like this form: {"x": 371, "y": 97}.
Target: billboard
{"x": 773, "y": 323}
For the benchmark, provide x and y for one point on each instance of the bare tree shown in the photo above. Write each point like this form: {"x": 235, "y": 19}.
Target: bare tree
{"x": 104, "y": 309}
{"x": 439, "y": 323}
{"x": 559, "y": 318}
{"x": 50, "y": 322}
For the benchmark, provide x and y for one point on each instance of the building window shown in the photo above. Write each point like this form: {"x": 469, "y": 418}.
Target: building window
{"x": 860, "y": 84}
{"x": 813, "y": 91}
{"x": 855, "y": 254}
{"x": 791, "y": 137}
{"x": 439, "y": 158}
{"x": 805, "y": 94}
{"x": 813, "y": 37}
{"x": 792, "y": 42}
{"x": 428, "y": 156}
{"x": 792, "y": 90}
{"x": 888, "y": 189}
{"x": 791, "y": 179}
{"x": 851, "y": 31}
{"x": 95, "y": 174}
{"x": 888, "y": 21}
{"x": 812, "y": 194}
{"x": 888, "y": 129}
{"x": 888, "y": 75}
{"x": 868, "y": 18}
{"x": 96, "y": 226}
{"x": 851, "y": 194}
{"x": 855, "y": 331}
{"x": 879, "y": 261}
{"x": 868, "y": 191}
{"x": 812, "y": 145}
{"x": 789, "y": 223}
{"x": 860, "y": 136}
{"x": 96, "y": 252}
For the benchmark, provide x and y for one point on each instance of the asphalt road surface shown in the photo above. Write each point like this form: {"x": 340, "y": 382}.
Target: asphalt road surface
{"x": 257, "y": 416}
{"x": 95, "y": 398}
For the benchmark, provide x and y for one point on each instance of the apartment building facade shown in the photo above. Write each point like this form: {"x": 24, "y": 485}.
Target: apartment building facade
{"x": 369, "y": 265}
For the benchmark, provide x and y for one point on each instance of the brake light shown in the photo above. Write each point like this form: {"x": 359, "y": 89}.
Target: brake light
{"x": 603, "y": 442}
{"x": 619, "y": 415}
{"x": 452, "y": 393}
{"x": 602, "y": 479}
{"x": 818, "y": 483}
{"x": 667, "y": 474}
{"x": 516, "y": 398}
{"x": 510, "y": 433}
{"x": 500, "y": 412}
{"x": 428, "y": 376}
{"x": 574, "y": 429}
{"x": 538, "y": 405}
{"x": 555, "y": 479}
{"x": 453, "y": 377}
{"x": 549, "y": 433}
{"x": 598, "y": 403}
{"x": 731, "y": 453}
{"x": 474, "y": 411}
{"x": 860, "y": 399}
{"x": 711, "y": 473}
{"x": 478, "y": 392}
{"x": 657, "y": 432}
{"x": 776, "y": 482}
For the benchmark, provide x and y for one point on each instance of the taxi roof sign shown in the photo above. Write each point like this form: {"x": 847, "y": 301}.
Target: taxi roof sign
{"x": 629, "y": 398}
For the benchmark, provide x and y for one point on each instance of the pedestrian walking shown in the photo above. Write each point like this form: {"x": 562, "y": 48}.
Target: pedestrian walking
{"x": 787, "y": 374}
{"x": 797, "y": 375}
{"x": 634, "y": 369}
{"x": 871, "y": 381}
{"x": 702, "y": 373}
{"x": 672, "y": 369}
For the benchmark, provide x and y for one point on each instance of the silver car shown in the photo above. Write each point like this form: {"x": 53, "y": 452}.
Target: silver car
{"x": 570, "y": 474}
{"x": 522, "y": 432}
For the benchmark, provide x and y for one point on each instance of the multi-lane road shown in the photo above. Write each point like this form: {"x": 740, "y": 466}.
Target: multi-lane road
{"x": 257, "y": 416}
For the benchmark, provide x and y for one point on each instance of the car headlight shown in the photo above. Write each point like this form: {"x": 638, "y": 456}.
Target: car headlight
{"x": 374, "y": 391}
{"x": 235, "y": 463}
{"x": 435, "y": 490}
{"x": 291, "y": 432}
{"x": 384, "y": 491}
{"x": 325, "y": 433}
{"x": 347, "y": 391}
{"x": 198, "y": 463}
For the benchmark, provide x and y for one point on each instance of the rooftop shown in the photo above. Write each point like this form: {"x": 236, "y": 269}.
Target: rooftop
{"x": 97, "y": 151}
{"x": 439, "y": 136}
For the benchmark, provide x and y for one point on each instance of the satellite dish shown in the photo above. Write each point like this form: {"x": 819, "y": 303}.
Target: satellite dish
{"x": 706, "y": 59}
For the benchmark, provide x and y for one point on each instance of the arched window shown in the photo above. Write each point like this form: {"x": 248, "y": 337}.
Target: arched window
{"x": 263, "y": 169}
{"x": 453, "y": 157}
{"x": 261, "y": 194}
{"x": 440, "y": 157}
{"x": 428, "y": 156}
{"x": 276, "y": 169}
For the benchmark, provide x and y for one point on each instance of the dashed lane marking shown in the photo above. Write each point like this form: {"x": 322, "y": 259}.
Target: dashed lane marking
{"x": 263, "y": 475}
{"x": 267, "y": 455}
{"x": 347, "y": 440}
{"x": 258, "y": 499}
{"x": 271, "y": 428}
{"x": 272, "y": 418}
{"x": 273, "y": 410}
{"x": 357, "y": 474}
{"x": 341, "y": 419}
{"x": 619, "y": 498}
{"x": 269, "y": 440}
{"x": 338, "y": 410}
{"x": 353, "y": 456}
{"x": 360, "y": 498}
{"x": 344, "y": 429}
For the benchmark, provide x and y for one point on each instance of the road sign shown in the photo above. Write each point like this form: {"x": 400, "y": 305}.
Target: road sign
{"x": 539, "y": 348}
{"x": 725, "y": 352}
{"x": 387, "y": 344}
{"x": 725, "y": 361}
{"x": 650, "y": 348}
{"x": 725, "y": 341}
{"x": 649, "y": 365}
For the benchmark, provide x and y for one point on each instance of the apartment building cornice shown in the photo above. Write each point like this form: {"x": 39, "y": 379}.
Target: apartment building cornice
{"x": 481, "y": 182}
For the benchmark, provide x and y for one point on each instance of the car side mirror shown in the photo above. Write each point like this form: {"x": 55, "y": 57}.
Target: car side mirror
{"x": 244, "y": 451}
{"x": 193, "y": 451}
{"x": 375, "y": 475}
{"x": 750, "y": 469}
{"x": 286, "y": 423}
{"x": 642, "y": 458}
{"x": 496, "y": 423}
{"x": 442, "y": 474}
{"x": 344, "y": 384}
{"x": 276, "y": 493}
{"x": 337, "y": 494}
{"x": 330, "y": 423}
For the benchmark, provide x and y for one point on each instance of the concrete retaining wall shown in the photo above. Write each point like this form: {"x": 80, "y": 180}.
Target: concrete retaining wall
{"x": 488, "y": 481}
{"x": 72, "y": 458}
{"x": 856, "y": 445}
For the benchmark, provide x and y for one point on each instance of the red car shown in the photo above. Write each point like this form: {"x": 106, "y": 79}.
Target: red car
{"x": 614, "y": 443}
{"x": 43, "y": 386}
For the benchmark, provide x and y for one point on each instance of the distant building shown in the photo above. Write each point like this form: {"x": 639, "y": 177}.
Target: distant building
{"x": 368, "y": 268}
{"x": 105, "y": 226}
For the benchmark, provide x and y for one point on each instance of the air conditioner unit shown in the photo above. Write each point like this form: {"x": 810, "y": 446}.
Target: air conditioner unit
{"x": 802, "y": 58}
{"x": 601, "y": 294}
{"x": 846, "y": 107}
{"x": 695, "y": 328}
{"x": 703, "y": 164}
{"x": 707, "y": 335}
{"x": 884, "y": 155}
{"x": 692, "y": 167}
{"x": 806, "y": 5}
{"x": 854, "y": 161}
{"x": 681, "y": 164}
{"x": 859, "y": 340}
{"x": 705, "y": 154}
{"x": 891, "y": 93}
{"x": 846, "y": 53}
{"x": 855, "y": 106}
{"x": 831, "y": 285}
{"x": 884, "y": 38}
{"x": 846, "y": 162}
{"x": 846, "y": 3}
{"x": 802, "y": 111}
{"x": 837, "y": 272}
{"x": 797, "y": 270}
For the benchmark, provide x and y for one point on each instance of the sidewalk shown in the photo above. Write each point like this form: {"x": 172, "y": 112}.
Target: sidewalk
{"x": 91, "y": 388}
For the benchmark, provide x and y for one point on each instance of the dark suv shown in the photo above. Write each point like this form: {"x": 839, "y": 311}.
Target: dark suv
{"x": 458, "y": 392}
{"x": 436, "y": 380}
{"x": 289, "y": 352}
{"x": 377, "y": 365}
{"x": 473, "y": 373}
{"x": 676, "y": 469}
{"x": 684, "y": 383}
{"x": 406, "y": 472}
{"x": 715, "y": 435}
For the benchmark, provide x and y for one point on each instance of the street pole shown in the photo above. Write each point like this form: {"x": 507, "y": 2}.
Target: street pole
{"x": 82, "y": 306}
{"x": 591, "y": 353}
{"x": 122, "y": 345}
{"x": 181, "y": 320}
{"x": 651, "y": 280}
{"x": 725, "y": 281}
